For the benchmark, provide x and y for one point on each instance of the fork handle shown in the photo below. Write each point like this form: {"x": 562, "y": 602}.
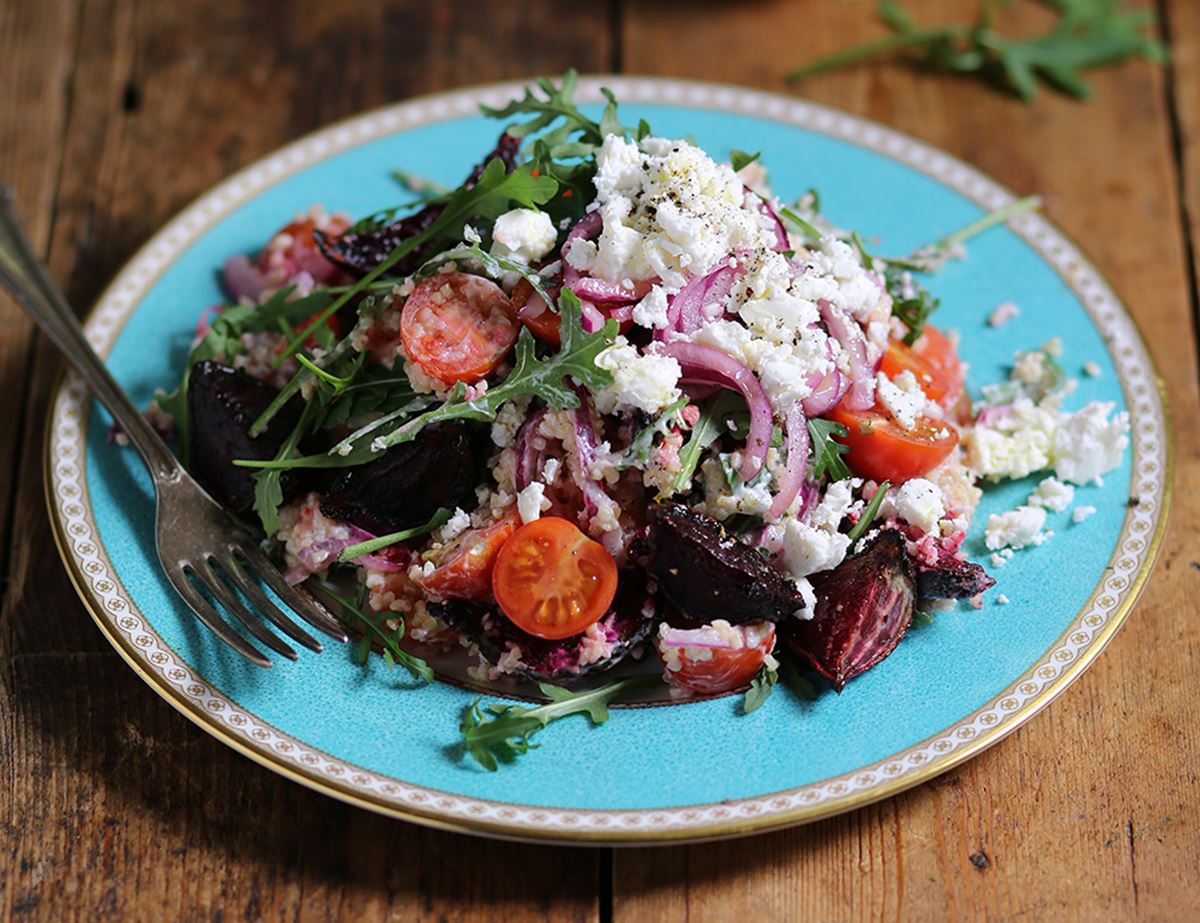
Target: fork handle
{"x": 27, "y": 279}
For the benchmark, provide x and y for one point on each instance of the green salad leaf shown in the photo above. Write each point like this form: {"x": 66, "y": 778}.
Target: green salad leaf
{"x": 827, "y": 453}
{"x": 760, "y": 689}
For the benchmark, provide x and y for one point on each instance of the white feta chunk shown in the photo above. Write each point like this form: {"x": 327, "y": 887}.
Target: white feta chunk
{"x": 531, "y": 501}
{"x": 1080, "y": 513}
{"x": 523, "y": 235}
{"x": 1053, "y": 494}
{"x": 1088, "y": 445}
{"x": 646, "y": 382}
{"x": 1015, "y": 528}
{"x": 919, "y": 503}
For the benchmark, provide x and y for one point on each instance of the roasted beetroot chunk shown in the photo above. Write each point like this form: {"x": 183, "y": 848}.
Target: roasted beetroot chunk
{"x": 951, "y": 578}
{"x": 405, "y": 486}
{"x": 625, "y": 627}
{"x": 864, "y": 607}
{"x": 708, "y": 574}
{"x": 223, "y": 403}
{"x": 362, "y": 252}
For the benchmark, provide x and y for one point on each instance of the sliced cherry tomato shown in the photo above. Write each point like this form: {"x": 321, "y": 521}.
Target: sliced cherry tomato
{"x": 933, "y": 361}
{"x": 458, "y": 327}
{"x": 465, "y": 570}
{"x": 711, "y": 659}
{"x": 541, "y": 320}
{"x": 881, "y": 449}
{"x": 552, "y": 581}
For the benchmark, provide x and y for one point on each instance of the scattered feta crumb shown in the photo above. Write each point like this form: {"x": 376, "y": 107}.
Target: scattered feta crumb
{"x": 523, "y": 235}
{"x": 1088, "y": 444}
{"x": 1003, "y": 313}
{"x": 1001, "y": 600}
{"x": 919, "y": 502}
{"x": 531, "y": 501}
{"x": 1053, "y": 347}
{"x": 640, "y": 382}
{"x": 455, "y": 526}
{"x": 1016, "y": 528}
{"x": 998, "y": 560}
{"x": 1080, "y": 513}
{"x": 904, "y": 404}
{"x": 1053, "y": 494}
{"x": 1091, "y": 369}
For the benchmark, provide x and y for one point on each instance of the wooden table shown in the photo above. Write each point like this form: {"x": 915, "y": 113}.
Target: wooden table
{"x": 114, "y": 114}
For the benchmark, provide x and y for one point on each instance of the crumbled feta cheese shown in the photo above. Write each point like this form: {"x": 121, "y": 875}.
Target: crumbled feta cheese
{"x": 1015, "y": 528}
{"x": 919, "y": 503}
{"x": 1003, "y": 313}
{"x": 651, "y": 311}
{"x": 640, "y": 382}
{"x": 523, "y": 235}
{"x": 809, "y": 595}
{"x": 1053, "y": 494}
{"x": 531, "y": 501}
{"x": 1091, "y": 369}
{"x": 455, "y": 526}
{"x": 998, "y": 560}
{"x": 1029, "y": 367}
{"x": 509, "y": 421}
{"x": 550, "y": 470}
{"x": 1053, "y": 347}
{"x": 1080, "y": 513}
{"x": 722, "y": 501}
{"x": 1001, "y": 600}
{"x": 902, "y": 398}
{"x": 1014, "y": 441}
{"x": 808, "y": 550}
{"x": 1088, "y": 444}
{"x": 832, "y": 509}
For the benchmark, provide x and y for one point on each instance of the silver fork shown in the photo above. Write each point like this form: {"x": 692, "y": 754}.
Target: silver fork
{"x": 199, "y": 546}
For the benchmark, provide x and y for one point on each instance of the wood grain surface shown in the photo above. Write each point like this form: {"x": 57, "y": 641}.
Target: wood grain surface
{"x": 114, "y": 114}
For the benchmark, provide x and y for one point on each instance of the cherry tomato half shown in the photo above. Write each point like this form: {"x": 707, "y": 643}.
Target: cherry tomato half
{"x": 552, "y": 581}
{"x": 458, "y": 327}
{"x": 293, "y": 249}
{"x": 708, "y": 669}
{"x": 465, "y": 570}
{"x": 933, "y": 361}
{"x": 881, "y": 449}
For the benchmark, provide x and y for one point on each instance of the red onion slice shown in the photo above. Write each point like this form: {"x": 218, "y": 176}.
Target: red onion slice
{"x": 846, "y": 331}
{"x": 708, "y": 365}
{"x": 528, "y": 457}
{"x": 243, "y": 279}
{"x": 797, "y": 463}
{"x": 685, "y": 309}
{"x": 589, "y": 288}
{"x": 781, "y": 238}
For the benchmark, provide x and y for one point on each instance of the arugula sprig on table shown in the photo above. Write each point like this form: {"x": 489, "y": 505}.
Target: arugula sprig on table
{"x": 496, "y": 734}
{"x": 1086, "y": 34}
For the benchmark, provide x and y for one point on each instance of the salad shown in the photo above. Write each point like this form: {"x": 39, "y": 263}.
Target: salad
{"x": 610, "y": 406}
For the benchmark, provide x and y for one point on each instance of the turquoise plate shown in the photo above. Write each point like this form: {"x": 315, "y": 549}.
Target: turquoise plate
{"x": 684, "y": 772}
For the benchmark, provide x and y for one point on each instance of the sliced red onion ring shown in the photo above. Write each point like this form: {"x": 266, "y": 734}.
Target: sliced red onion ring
{"x": 528, "y": 457}
{"x": 846, "y": 331}
{"x": 797, "y": 463}
{"x": 707, "y": 365}
{"x": 591, "y": 319}
{"x": 243, "y": 279}
{"x": 685, "y": 309}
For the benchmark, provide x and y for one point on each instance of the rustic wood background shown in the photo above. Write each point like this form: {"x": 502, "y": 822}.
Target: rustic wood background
{"x": 114, "y": 114}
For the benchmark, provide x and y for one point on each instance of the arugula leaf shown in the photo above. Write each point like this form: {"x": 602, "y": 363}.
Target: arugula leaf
{"x": 1087, "y": 34}
{"x": 706, "y": 431}
{"x": 393, "y": 653}
{"x": 803, "y": 225}
{"x": 859, "y": 529}
{"x": 494, "y": 266}
{"x": 911, "y": 301}
{"x": 827, "y": 453}
{"x": 371, "y": 389}
{"x": 797, "y": 682}
{"x": 921, "y": 618}
{"x": 739, "y": 159}
{"x": 546, "y": 378}
{"x": 760, "y": 689}
{"x": 500, "y": 733}
{"x": 557, "y": 102}
{"x": 436, "y": 521}
{"x": 268, "y": 484}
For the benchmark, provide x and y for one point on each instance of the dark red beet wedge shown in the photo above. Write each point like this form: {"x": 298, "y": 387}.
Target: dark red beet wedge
{"x": 708, "y": 574}
{"x": 223, "y": 403}
{"x": 361, "y": 252}
{"x": 951, "y": 578}
{"x": 864, "y": 607}
{"x": 405, "y": 486}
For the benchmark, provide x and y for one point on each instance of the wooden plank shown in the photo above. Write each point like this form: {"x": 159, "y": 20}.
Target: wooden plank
{"x": 1091, "y": 810}
{"x": 115, "y": 806}
{"x": 36, "y": 56}
{"x": 1182, "y": 21}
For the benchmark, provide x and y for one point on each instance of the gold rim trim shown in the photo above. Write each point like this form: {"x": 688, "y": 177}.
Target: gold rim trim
{"x": 702, "y": 95}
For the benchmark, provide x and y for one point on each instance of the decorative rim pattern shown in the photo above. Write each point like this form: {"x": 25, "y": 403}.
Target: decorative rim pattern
{"x": 118, "y": 617}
